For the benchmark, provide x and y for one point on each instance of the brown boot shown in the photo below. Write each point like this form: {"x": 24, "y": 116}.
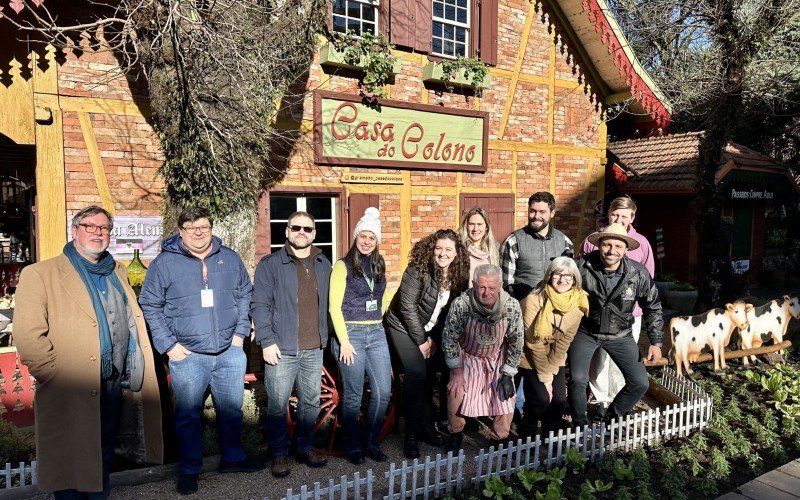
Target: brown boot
{"x": 311, "y": 458}
{"x": 280, "y": 466}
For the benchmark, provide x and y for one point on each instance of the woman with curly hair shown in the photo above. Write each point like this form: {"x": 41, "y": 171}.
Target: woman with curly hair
{"x": 438, "y": 271}
{"x": 476, "y": 234}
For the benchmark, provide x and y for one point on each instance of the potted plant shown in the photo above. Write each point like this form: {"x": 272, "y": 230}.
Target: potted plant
{"x": 464, "y": 72}
{"x": 368, "y": 53}
{"x": 681, "y": 297}
{"x": 663, "y": 281}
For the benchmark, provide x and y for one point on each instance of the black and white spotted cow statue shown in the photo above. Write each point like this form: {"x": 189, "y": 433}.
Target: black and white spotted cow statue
{"x": 690, "y": 334}
{"x": 769, "y": 321}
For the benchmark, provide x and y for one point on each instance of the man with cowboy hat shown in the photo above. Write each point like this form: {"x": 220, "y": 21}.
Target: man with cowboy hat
{"x": 615, "y": 284}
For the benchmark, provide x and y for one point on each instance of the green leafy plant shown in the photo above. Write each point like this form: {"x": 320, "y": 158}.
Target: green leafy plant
{"x": 474, "y": 70}
{"x": 589, "y": 489}
{"x": 496, "y": 488}
{"x": 575, "y": 459}
{"x": 529, "y": 478}
{"x": 553, "y": 492}
{"x": 557, "y": 475}
{"x": 372, "y": 54}
{"x": 623, "y": 472}
{"x": 623, "y": 493}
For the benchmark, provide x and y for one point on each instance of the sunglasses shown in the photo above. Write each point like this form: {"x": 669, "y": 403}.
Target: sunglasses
{"x": 305, "y": 229}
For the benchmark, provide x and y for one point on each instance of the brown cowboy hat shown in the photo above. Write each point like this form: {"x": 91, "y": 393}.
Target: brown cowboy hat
{"x": 613, "y": 231}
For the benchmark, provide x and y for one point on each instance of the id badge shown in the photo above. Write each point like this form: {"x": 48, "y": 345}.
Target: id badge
{"x": 372, "y": 305}
{"x": 207, "y": 298}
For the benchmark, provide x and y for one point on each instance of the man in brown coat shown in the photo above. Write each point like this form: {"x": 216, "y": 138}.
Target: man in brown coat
{"x": 81, "y": 333}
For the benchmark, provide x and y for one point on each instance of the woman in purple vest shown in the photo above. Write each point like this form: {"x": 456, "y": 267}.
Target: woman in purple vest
{"x": 358, "y": 283}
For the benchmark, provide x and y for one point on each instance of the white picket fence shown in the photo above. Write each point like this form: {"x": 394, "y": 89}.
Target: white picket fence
{"x": 23, "y": 475}
{"x": 445, "y": 475}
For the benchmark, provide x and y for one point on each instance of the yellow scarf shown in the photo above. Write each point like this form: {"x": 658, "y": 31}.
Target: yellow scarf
{"x": 560, "y": 303}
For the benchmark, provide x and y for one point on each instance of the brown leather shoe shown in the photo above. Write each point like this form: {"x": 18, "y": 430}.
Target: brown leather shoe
{"x": 311, "y": 458}
{"x": 280, "y": 466}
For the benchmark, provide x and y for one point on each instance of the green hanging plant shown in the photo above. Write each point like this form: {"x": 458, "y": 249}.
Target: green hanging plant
{"x": 473, "y": 69}
{"x": 372, "y": 54}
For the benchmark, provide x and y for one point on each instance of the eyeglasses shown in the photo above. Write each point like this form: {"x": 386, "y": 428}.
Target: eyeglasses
{"x": 568, "y": 278}
{"x": 305, "y": 229}
{"x": 196, "y": 229}
{"x": 92, "y": 229}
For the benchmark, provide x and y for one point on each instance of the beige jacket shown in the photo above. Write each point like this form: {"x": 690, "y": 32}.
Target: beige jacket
{"x": 56, "y": 332}
{"x": 546, "y": 356}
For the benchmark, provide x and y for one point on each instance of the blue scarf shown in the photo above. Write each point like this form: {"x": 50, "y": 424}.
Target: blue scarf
{"x": 104, "y": 267}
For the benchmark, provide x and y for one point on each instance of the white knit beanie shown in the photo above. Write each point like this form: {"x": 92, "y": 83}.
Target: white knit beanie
{"x": 369, "y": 222}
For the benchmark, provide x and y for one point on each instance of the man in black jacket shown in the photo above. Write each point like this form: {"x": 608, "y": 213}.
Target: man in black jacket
{"x": 614, "y": 284}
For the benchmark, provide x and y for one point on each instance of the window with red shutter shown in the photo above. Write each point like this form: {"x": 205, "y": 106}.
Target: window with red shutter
{"x": 356, "y": 16}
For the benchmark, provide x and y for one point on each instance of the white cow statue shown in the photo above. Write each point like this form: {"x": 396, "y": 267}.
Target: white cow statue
{"x": 690, "y": 334}
{"x": 769, "y": 321}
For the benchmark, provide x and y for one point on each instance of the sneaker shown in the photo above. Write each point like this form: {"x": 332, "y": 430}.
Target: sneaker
{"x": 186, "y": 484}
{"x": 248, "y": 464}
{"x": 280, "y": 466}
{"x": 311, "y": 458}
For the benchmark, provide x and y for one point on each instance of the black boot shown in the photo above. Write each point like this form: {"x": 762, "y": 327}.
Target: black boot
{"x": 454, "y": 442}
{"x": 430, "y": 435}
{"x": 410, "y": 445}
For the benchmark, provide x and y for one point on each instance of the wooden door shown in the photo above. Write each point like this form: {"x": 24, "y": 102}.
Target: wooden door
{"x": 500, "y": 208}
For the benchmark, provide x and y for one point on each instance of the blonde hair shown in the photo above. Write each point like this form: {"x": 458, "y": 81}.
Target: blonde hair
{"x": 561, "y": 265}
{"x": 624, "y": 203}
{"x": 488, "y": 243}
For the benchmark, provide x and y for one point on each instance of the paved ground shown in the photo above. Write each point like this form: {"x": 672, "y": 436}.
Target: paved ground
{"x": 782, "y": 483}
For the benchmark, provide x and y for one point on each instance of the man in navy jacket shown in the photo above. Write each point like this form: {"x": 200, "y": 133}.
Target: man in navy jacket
{"x": 195, "y": 299}
{"x": 290, "y": 313}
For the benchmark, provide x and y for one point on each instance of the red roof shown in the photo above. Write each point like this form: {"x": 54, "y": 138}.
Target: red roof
{"x": 669, "y": 163}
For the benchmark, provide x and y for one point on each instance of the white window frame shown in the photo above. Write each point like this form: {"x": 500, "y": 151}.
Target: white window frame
{"x": 467, "y": 25}
{"x": 375, "y": 4}
{"x": 301, "y": 206}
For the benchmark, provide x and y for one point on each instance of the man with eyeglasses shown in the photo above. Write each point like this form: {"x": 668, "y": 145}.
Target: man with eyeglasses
{"x": 290, "y": 313}
{"x": 196, "y": 298}
{"x": 615, "y": 284}
{"x": 81, "y": 333}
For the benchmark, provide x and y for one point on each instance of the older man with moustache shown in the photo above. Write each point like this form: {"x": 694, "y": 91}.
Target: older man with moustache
{"x": 615, "y": 284}
{"x": 81, "y": 333}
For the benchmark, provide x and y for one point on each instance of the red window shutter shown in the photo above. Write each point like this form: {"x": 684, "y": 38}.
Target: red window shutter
{"x": 383, "y": 18}
{"x": 356, "y": 204}
{"x": 424, "y": 26}
{"x": 487, "y": 31}
{"x": 500, "y": 208}
{"x": 401, "y": 23}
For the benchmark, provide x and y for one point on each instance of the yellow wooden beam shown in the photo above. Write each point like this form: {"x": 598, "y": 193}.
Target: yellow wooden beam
{"x": 375, "y": 188}
{"x": 485, "y": 191}
{"x": 551, "y": 92}
{"x": 514, "y": 166}
{"x": 405, "y": 219}
{"x": 97, "y": 163}
{"x": 528, "y": 147}
{"x": 553, "y": 169}
{"x": 16, "y": 103}
{"x": 51, "y": 198}
{"x": 523, "y": 44}
{"x": 106, "y": 106}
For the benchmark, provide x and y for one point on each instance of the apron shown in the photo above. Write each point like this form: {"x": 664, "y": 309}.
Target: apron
{"x": 482, "y": 358}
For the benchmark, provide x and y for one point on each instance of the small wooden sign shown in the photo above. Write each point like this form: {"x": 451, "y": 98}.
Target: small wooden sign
{"x": 367, "y": 178}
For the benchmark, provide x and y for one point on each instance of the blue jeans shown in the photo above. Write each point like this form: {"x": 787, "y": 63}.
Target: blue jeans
{"x": 305, "y": 368}
{"x": 372, "y": 359}
{"x": 191, "y": 376}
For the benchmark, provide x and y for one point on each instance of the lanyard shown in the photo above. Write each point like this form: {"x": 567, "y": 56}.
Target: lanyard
{"x": 370, "y": 282}
{"x": 205, "y": 274}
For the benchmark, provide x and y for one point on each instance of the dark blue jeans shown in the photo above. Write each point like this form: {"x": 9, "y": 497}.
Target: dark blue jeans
{"x": 191, "y": 376}
{"x": 110, "y": 407}
{"x": 625, "y": 353}
{"x": 372, "y": 359}
{"x": 305, "y": 369}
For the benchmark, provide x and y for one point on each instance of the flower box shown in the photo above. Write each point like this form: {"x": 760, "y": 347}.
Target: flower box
{"x": 330, "y": 56}
{"x": 433, "y": 73}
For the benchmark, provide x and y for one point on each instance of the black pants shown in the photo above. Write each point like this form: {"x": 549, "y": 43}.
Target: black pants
{"x": 625, "y": 353}
{"x": 110, "y": 408}
{"x": 538, "y": 406}
{"x": 419, "y": 377}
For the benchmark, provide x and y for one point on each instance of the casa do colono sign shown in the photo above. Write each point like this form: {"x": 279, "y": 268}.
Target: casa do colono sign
{"x": 396, "y": 134}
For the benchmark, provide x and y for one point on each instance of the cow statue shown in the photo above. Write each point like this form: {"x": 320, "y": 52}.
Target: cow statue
{"x": 769, "y": 321}
{"x": 690, "y": 334}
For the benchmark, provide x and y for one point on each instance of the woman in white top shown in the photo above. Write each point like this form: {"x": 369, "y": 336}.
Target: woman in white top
{"x": 476, "y": 234}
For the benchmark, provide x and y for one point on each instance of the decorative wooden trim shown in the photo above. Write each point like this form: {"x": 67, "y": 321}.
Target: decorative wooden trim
{"x": 399, "y": 165}
{"x": 97, "y": 162}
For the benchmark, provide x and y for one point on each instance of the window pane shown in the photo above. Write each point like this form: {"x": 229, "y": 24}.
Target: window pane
{"x": 354, "y": 24}
{"x": 450, "y": 12}
{"x": 461, "y": 3}
{"x": 462, "y": 15}
{"x": 437, "y": 29}
{"x": 338, "y": 6}
{"x": 327, "y": 251}
{"x": 369, "y": 28}
{"x": 324, "y": 232}
{"x": 448, "y": 31}
{"x": 281, "y": 207}
{"x": 354, "y": 9}
{"x": 320, "y": 208}
{"x": 277, "y": 235}
{"x": 339, "y": 24}
{"x": 437, "y": 46}
{"x": 369, "y": 13}
{"x": 448, "y": 48}
{"x": 461, "y": 35}
{"x": 461, "y": 49}
{"x": 438, "y": 9}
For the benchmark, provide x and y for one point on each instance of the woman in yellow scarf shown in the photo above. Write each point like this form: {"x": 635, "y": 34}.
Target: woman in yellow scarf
{"x": 551, "y": 315}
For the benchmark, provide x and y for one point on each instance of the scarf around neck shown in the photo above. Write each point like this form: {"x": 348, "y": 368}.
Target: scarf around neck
{"x": 103, "y": 267}
{"x": 495, "y": 312}
{"x": 561, "y": 303}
